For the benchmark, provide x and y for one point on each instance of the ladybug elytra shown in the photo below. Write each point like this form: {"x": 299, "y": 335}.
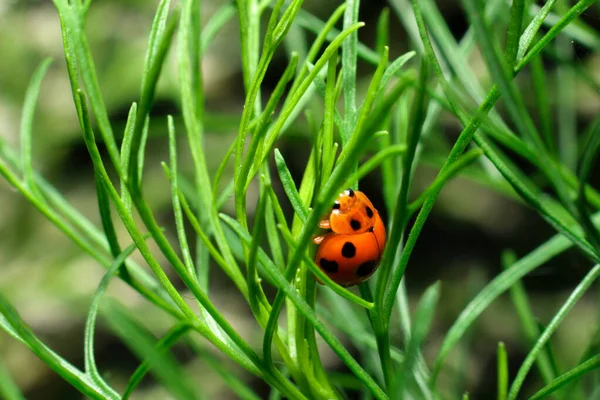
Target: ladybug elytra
{"x": 350, "y": 253}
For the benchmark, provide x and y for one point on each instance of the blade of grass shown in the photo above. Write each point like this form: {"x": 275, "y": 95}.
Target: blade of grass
{"x": 165, "y": 343}
{"x": 552, "y": 326}
{"x": 141, "y": 341}
{"x": 183, "y": 242}
{"x": 290, "y": 187}
{"x": 556, "y": 245}
{"x": 349, "y": 57}
{"x": 400, "y": 212}
{"x": 463, "y": 162}
{"x": 126, "y": 153}
{"x": 572, "y": 375}
{"x": 255, "y": 290}
{"x": 194, "y": 131}
{"x": 90, "y": 323}
{"x": 528, "y": 321}
{"x": 62, "y": 367}
{"x": 9, "y": 389}
{"x": 502, "y": 372}
{"x": 159, "y": 42}
{"x": 532, "y": 29}
{"x": 542, "y": 98}
{"x": 77, "y": 54}
{"x": 422, "y": 323}
{"x": 31, "y": 97}
{"x": 219, "y": 19}
{"x": 585, "y": 169}
{"x": 565, "y": 99}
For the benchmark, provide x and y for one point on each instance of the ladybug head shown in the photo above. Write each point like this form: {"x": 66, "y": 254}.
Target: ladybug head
{"x": 345, "y": 200}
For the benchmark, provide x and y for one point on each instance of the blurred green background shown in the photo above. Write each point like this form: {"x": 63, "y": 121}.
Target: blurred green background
{"x": 51, "y": 281}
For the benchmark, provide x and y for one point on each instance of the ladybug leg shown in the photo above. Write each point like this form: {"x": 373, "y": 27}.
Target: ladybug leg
{"x": 318, "y": 239}
{"x": 324, "y": 224}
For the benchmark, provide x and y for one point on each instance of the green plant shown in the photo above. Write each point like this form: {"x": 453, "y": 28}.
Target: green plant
{"x": 393, "y": 123}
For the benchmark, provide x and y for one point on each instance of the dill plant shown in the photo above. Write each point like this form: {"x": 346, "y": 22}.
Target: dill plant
{"x": 389, "y": 123}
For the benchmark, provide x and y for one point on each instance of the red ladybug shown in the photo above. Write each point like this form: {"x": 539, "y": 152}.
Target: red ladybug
{"x": 350, "y": 253}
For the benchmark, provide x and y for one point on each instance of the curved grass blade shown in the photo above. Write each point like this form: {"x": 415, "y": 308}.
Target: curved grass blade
{"x": 142, "y": 342}
{"x": 290, "y": 187}
{"x": 579, "y": 291}
{"x": 165, "y": 343}
{"x": 9, "y": 390}
{"x": 62, "y": 367}
{"x": 494, "y": 289}
{"x": 31, "y": 97}
{"x": 529, "y": 323}
{"x": 349, "y": 57}
{"x": 90, "y": 323}
{"x": 502, "y": 372}
{"x": 171, "y": 338}
{"x": 219, "y": 19}
{"x": 422, "y": 323}
{"x": 183, "y": 242}
{"x": 569, "y": 376}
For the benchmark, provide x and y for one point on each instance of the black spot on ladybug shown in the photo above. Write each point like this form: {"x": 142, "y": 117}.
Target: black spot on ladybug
{"x": 329, "y": 266}
{"x": 372, "y": 229}
{"x": 348, "y": 250}
{"x": 336, "y": 205}
{"x": 369, "y": 212}
{"x": 350, "y": 192}
{"x": 366, "y": 268}
{"x": 355, "y": 224}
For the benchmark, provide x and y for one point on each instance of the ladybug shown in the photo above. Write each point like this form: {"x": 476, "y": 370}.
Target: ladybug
{"x": 350, "y": 253}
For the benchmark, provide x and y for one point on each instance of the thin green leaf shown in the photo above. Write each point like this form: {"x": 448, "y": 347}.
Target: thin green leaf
{"x": 383, "y": 30}
{"x": 502, "y": 372}
{"x": 183, "y": 242}
{"x": 532, "y": 29}
{"x": 556, "y": 245}
{"x": 9, "y": 390}
{"x": 219, "y": 19}
{"x": 255, "y": 291}
{"x": 349, "y": 56}
{"x": 159, "y": 42}
{"x": 62, "y": 367}
{"x": 165, "y": 343}
{"x": 572, "y": 375}
{"x": 78, "y": 54}
{"x": 31, "y": 97}
{"x": 422, "y": 323}
{"x": 528, "y": 321}
{"x": 290, "y": 187}
{"x": 585, "y": 168}
{"x": 463, "y": 162}
{"x": 90, "y": 323}
{"x": 399, "y": 220}
{"x": 393, "y": 68}
{"x": 542, "y": 98}
{"x": 579, "y": 291}
{"x": 515, "y": 24}
{"x": 141, "y": 341}
{"x": 126, "y": 153}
